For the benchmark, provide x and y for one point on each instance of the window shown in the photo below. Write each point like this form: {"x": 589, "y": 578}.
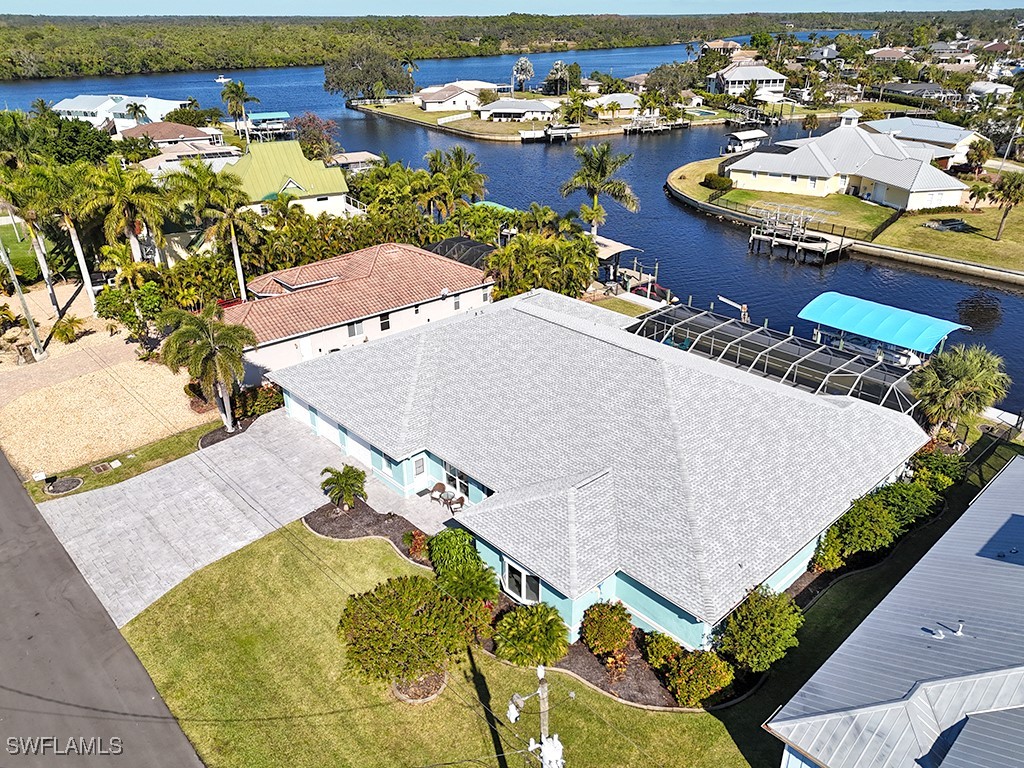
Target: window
{"x": 355, "y": 329}
{"x": 487, "y": 295}
{"x": 385, "y": 322}
{"x": 416, "y": 309}
{"x": 842, "y": 181}
{"x": 753, "y": 174}
{"x": 793, "y": 179}
{"x": 812, "y": 182}
{"x": 457, "y": 479}
{"x": 457, "y": 301}
{"x": 521, "y": 585}
{"x": 321, "y": 199}
{"x": 419, "y": 466}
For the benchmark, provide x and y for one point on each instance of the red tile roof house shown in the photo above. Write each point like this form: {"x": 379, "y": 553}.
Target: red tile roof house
{"x": 309, "y": 311}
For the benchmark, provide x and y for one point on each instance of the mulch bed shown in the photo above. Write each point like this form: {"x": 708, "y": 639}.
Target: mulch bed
{"x": 63, "y": 485}
{"x": 359, "y": 521}
{"x": 421, "y": 689}
{"x": 639, "y": 685}
{"x": 221, "y": 434}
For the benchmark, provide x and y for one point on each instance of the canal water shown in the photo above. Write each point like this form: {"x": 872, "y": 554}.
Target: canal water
{"x": 697, "y": 255}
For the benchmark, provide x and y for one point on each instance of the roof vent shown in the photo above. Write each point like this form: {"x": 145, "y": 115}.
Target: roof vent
{"x": 959, "y": 628}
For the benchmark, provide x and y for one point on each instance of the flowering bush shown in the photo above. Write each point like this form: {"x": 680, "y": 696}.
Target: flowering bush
{"x": 695, "y": 677}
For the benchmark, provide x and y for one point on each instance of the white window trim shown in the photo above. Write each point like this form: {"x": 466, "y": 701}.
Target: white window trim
{"x": 521, "y": 599}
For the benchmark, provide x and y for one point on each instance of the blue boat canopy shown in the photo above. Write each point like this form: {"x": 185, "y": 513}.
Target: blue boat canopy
{"x": 265, "y": 116}
{"x": 892, "y": 325}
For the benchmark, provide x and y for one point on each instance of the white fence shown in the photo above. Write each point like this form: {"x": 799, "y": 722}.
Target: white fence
{"x": 454, "y": 118}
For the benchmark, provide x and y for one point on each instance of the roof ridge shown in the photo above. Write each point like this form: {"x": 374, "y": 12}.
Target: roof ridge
{"x": 570, "y": 524}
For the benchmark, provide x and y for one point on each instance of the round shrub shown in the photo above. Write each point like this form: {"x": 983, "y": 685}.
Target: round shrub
{"x": 908, "y": 502}
{"x": 451, "y": 548}
{"x": 531, "y": 635}
{"x": 470, "y": 582}
{"x": 761, "y": 629}
{"x": 695, "y": 677}
{"x": 867, "y": 526}
{"x": 606, "y": 628}
{"x": 937, "y": 469}
{"x": 714, "y": 181}
{"x": 660, "y": 650}
{"x": 828, "y": 555}
{"x": 403, "y": 629}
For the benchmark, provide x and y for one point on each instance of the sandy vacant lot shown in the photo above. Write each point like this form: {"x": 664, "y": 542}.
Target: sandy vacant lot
{"x": 87, "y": 400}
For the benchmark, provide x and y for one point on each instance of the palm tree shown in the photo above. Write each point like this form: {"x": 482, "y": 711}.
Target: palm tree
{"x": 560, "y": 74}
{"x": 228, "y": 209}
{"x": 651, "y": 101}
{"x": 408, "y": 63}
{"x": 40, "y": 107}
{"x": 978, "y": 193}
{"x": 128, "y": 199}
{"x": 34, "y": 206}
{"x": 596, "y": 177}
{"x": 522, "y": 71}
{"x": 67, "y": 329}
{"x": 574, "y": 108}
{"x": 1007, "y": 193}
{"x": 811, "y": 123}
{"x": 136, "y": 112}
{"x": 16, "y": 141}
{"x": 210, "y": 350}
{"x": 68, "y": 188}
{"x": 193, "y": 185}
{"x": 343, "y": 486}
{"x": 235, "y": 97}
{"x": 958, "y": 383}
{"x": 283, "y": 211}
{"x": 613, "y": 107}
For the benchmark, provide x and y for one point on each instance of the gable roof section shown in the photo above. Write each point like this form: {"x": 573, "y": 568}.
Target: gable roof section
{"x": 164, "y": 131}
{"x": 271, "y": 167}
{"x": 896, "y": 694}
{"x": 707, "y": 496}
{"x": 743, "y": 71}
{"x": 345, "y": 288}
{"x": 919, "y": 129}
{"x": 519, "y": 105}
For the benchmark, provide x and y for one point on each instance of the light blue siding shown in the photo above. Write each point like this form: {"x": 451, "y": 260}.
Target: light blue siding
{"x": 658, "y": 613}
{"x": 489, "y": 555}
{"x": 793, "y": 569}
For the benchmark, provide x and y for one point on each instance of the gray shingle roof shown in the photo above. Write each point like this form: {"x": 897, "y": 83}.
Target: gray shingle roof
{"x": 896, "y": 694}
{"x": 706, "y": 468}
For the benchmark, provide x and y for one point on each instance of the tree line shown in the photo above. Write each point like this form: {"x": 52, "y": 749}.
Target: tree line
{"x": 42, "y": 47}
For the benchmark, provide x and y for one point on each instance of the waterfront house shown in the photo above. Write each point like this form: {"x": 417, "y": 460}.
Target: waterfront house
{"x": 984, "y": 88}
{"x": 726, "y": 47}
{"x": 852, "y": 160}
{"x": 637, "y": 83}
{"x": 613, "y": 105}
{"x": 590, "y": 86}
{"x": 934, "y": 676}
{"x": 516, "y": 110}
{"x": 110, "y": 113}
{"x": 825, "y": 53}
{"x": 689, "y": 99}
{"x": 355, "y": 162}
{"x": 310, "y": 311}
{"x": 953, "y": 139}
{"x": 888, "y": 55}
{"x": 932, "y": 91}
{"x": 737, "y": 77}
{"x": 177, "y": 142}
{"x": 268, "y": 169}
{"x": 460, "y": 95}
{"x": 597, "y": 464}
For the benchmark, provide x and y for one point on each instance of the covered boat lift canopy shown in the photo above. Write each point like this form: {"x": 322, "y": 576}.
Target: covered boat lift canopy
{"x": 900, "y": 328}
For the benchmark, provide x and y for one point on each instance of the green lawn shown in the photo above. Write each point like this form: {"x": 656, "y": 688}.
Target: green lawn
{"x": 622, "y": 306}
{"x": 844, "y": 210}
{"x": 20, "y": 253}
{"x": 246, "y": 656}
{"x": 979, "y": 246}
{"x": 142, "y": 459}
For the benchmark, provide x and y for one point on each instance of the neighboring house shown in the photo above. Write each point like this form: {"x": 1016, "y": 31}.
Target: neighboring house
{"x": 590, "y": 86}
{"x": 517, "y": 110}
{"x": 984, "y": 88}
{"x": 677, "y": 514}
{"x": 110, "y": 113}
{"x": 727, "y": 47}
{"x": 955, "y": 139}
{"x": 310, "y": 311}
{"x": 268, "y": 169}
{"x": 637, "y": 83}
{"x": 461, "y": 95}
{"x": 852, "y": 160}
{"x": 270, "y": 126}
{"x": 689, "y": 99}
{"x": 996, "y": 47}
{"x": 921, "y": 91}
{"x": 736, "y": 78}
{"x": 177, "y": 142}
{"x": 355, "y": 162}
{"x": 934, "y": 676}
{"x": 959, "y": 62}
{"x": 628, "y": 105}
{"x": 888, "y": 55}
{"x": 825, "y": 53}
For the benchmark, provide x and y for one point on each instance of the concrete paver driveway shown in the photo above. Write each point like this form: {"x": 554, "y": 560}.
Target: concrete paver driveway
{"x": 136, "y": 540}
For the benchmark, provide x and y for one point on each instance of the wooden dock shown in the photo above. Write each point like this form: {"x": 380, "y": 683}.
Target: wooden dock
{"x": 805, "y": 246}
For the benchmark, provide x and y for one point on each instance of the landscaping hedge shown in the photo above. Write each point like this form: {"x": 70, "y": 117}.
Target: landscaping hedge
{"x": 27, "y": 265}
{"x": 695, "y": 677}
{"x": 714, "y": 181}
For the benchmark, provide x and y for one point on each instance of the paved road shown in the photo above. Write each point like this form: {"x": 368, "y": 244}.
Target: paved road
{"x": 65, "y": 670}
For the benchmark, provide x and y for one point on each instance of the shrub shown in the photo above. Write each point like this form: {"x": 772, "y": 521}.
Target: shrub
{"x": 660, "y": 650}
{"x": 693, "y": 678}
{"x": 402, "y": 630}
{"x": 867, "y": 526}
{"x": 828, "y": 555}
{"x": 714, "y": 181}
{"x": 451, "y": 548}
{"x": 257, "y": 401}
{"x": 531, "y": 635}
{"x": 343, "y": 486}
{"x": 606, "y": 628}
{"x": 67, "y": 329}
{"x": 418, "y": 542}
{"x": 761, "y": 629}
{"x": 27, "y": 268}
{"x": 908, "y": 502}
{"x": 469, "y": 582}
{"x": 951, "y": 465}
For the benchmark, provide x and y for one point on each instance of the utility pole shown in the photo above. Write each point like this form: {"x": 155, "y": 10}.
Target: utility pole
{"x": 549, "y": 748}
{"x": 37, "y": 348}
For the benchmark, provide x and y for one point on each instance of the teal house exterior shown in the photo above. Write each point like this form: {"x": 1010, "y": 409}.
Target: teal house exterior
{"x": 677, "y": 515}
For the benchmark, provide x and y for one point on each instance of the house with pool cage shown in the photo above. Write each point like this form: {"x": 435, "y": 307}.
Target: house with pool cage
{"x": 599, "y": 460}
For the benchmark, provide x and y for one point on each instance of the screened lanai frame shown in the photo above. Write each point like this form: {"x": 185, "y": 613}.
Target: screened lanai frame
{"x": 780, "y": 356}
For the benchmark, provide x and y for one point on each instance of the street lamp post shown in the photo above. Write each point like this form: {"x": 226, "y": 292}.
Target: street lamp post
{"x": 37, "y": 348}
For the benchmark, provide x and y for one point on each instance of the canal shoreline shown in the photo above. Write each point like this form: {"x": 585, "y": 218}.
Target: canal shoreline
{"x": 965, "y": 270}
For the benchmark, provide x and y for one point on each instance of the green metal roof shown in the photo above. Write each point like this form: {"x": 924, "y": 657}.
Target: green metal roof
{"x": 496, "y": 206}
{"x": 272, "y": 167}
